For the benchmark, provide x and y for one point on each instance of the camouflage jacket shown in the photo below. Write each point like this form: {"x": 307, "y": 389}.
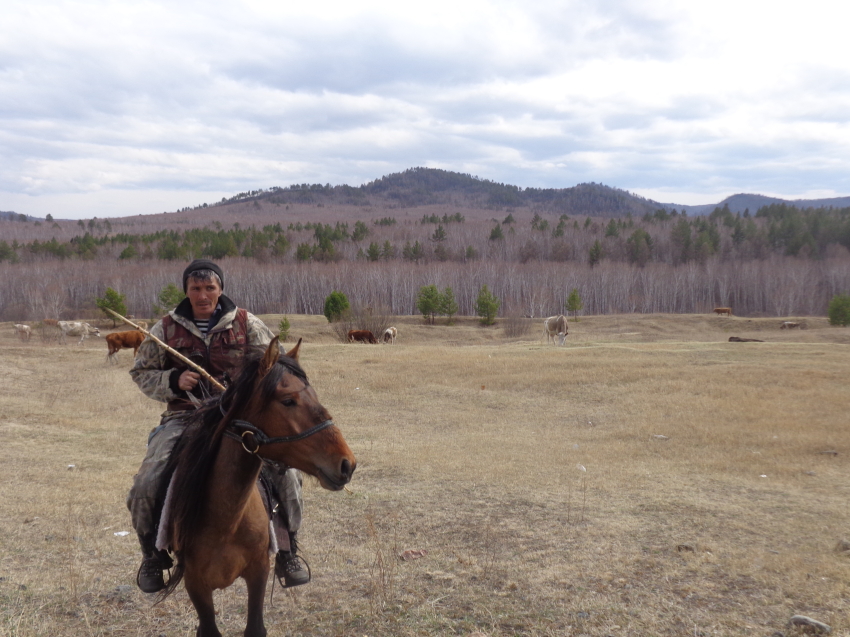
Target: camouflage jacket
{"x": 153, "y": 367}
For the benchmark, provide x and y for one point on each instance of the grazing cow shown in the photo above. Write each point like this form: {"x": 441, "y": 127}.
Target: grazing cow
{"x": 76, "y": 328}
{"x": 738, "y": 339}
{"x": 720, "y": 311}
{"x": 555, "y": 326}
{"x": 389, "y": 335}
{"x": 23, "y": 331}
{"x": 362, "y": 336}
{"x": 119, "y": 340}
{"x": 50, "y": 322}
{"x": 788, "y": 325}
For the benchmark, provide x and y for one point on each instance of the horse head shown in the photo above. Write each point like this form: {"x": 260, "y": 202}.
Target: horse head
{"x": 290, "y": 425}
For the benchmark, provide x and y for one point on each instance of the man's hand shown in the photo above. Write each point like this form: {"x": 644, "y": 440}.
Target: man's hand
{"x": 188, "y": 380}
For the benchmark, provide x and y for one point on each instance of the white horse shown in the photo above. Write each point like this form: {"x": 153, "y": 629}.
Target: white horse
{"x": 389, "y": 335}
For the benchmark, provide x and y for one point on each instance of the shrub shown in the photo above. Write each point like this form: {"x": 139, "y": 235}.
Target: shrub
{"x": 516, "y": 325}
{"x": 335, "y": 305}
{"x": 374, "y": 319}
{"x": 839, "y": 310}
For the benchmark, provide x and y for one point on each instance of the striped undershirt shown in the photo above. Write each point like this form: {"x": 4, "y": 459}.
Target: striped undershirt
{"x": 203, "y": 325}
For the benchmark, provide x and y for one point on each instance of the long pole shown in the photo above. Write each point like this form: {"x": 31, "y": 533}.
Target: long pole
{"x": 170, "y": 350}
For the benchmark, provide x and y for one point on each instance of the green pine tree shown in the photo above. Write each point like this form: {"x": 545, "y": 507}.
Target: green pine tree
{"x": 448, "y": 305}
{"x": 574, "y": 303}
{"x": 114, "y": 301}
{"x": 839, "y": 310}
{"x": 168, "y": 298}
{"x": 486, "y": 305}
{"x": 428, "y": 302}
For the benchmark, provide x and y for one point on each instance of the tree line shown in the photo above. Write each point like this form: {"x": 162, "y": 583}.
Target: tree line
{"x": 779, "y": 285}
{"x": 658, "y": 237}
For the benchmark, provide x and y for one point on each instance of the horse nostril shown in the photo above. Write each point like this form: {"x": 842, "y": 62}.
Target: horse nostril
{"x": 346, "y": 468}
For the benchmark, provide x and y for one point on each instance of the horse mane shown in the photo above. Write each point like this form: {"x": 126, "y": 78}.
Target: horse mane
{"x": 193, "y": 458}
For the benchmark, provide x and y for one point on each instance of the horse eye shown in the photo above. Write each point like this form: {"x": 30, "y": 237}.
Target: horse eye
{"x": 288, "y": 402}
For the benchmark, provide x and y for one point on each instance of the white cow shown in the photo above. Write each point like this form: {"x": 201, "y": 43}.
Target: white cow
{"x": 389, "y": 335}
{"x": 23, "y": 331}
{"x": 555, "y": 326}
{"x": 76, "y": 328}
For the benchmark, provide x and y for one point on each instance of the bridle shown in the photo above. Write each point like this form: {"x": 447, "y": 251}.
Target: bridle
{"x": 261, "y": 439}
{"x": 242, "y": 429}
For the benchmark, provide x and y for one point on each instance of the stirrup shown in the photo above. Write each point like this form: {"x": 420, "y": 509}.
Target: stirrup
{"x": 285, "y": 574}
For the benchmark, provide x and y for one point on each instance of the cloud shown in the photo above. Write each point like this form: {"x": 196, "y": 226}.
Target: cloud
{"x": 660, "y": 96}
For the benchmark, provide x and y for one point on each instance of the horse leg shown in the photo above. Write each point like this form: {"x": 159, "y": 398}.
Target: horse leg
{"x": 256, "y": 579}
{"x": 202, "y": 600}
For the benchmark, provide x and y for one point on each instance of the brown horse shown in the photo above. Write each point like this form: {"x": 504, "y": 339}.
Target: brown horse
{"x": 219, "y": 529}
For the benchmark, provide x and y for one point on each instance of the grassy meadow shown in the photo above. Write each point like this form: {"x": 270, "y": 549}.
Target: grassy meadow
{"x": 649, "y": 478}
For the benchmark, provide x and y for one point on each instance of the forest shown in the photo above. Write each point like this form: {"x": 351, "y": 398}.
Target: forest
{"x": 282, "y": 257}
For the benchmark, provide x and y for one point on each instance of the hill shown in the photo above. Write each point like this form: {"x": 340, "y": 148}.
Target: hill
{"x": 418, "y": 187}
{"x": 433, "y": 187}
{"x": 742, "y": 202}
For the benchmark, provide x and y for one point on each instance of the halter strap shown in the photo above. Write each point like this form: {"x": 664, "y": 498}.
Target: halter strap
{"x": 260, "y": 437}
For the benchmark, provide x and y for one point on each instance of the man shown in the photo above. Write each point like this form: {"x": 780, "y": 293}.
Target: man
{"x": 208, "y": 329}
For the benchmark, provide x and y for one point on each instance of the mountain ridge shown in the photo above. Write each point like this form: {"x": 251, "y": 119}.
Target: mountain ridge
{"x": 420, "y": 186}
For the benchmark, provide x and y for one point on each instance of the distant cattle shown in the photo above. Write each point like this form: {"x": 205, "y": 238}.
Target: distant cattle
{"x": 555, "y": 326}
{"x": 789, "y": 325}
{"x": 23, "y": 331}
{"x": 142, "y": 324}
{"x": 120, "y": 340}
{"x": 738, "y": 339}
{"x": 76, "y": 328}
{"x": 50, "y": 322}
{"x": 389, "y": 335}
{"x": 720, "y": 311}
{"x": 361, "y": 336}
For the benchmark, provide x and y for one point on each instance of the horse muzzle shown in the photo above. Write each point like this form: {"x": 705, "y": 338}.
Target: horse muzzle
{"x": 340, "y": 477}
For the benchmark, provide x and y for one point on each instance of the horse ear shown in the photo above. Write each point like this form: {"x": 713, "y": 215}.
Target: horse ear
{"x": 270, "y": 358}
{"x": 293, "y": 353}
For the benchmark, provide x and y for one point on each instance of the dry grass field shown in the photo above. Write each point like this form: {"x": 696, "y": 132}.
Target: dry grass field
{"x": 650, "y": 478}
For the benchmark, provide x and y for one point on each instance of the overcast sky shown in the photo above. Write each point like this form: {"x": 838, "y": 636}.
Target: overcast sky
{"x": 112, "y": 108}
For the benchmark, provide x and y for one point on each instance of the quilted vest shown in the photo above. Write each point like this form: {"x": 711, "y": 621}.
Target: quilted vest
{"x": 223, "y": 355}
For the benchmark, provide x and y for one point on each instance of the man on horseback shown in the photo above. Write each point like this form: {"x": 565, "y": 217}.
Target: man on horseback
{"x": 207, "y": 328}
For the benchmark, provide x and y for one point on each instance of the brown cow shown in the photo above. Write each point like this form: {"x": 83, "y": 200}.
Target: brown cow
{"x": 723, "y": 310}
{"x": 362, "y": 336}
{"x": 120, "y": 340}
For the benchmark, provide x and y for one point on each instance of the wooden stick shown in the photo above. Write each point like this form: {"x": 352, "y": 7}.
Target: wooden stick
{"x": 170, "y": 350}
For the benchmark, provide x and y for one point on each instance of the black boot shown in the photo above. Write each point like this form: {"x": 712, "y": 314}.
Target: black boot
{"x": 149, "y": 578}
{"x": 291, "y": 569}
